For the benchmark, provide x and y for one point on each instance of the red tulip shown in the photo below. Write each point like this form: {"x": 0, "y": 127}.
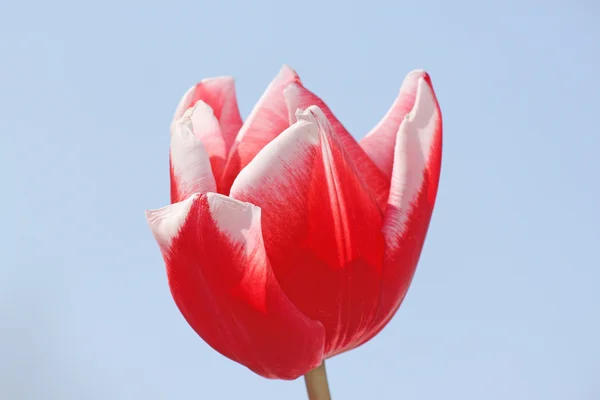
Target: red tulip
{"x": 287, "y": 241}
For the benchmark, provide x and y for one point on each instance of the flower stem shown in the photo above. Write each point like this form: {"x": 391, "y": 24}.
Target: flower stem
{"x": 316, "y": 383}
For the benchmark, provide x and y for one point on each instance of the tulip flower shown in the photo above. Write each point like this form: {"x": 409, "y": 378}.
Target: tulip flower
{"x": 287, "y": 241}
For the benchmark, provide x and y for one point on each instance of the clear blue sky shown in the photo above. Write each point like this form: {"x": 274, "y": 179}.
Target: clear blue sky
{"x": 505, "y": 303}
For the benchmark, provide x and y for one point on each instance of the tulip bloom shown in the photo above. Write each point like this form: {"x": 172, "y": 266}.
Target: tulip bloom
{"x": 287, "y": 241}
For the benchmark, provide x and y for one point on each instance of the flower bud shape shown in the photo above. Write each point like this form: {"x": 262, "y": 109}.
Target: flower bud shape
{"x": 287, "y": 241}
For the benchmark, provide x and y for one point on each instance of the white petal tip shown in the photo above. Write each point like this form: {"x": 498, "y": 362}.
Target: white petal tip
{"x": 166, "y": 222}
{"x": 417, "y": 73}
{"x": 424, "y": 106}
{"x": 235, "y": 218}
{"x": 286, "y": 68}
{"x": 312, "y": 114}
{"x": 220, "y": 79}
{"x": 412, "y": 79}
{"x": 199, "y": 110}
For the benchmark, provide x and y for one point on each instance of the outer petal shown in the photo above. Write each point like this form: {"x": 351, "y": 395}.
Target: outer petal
{"x": 298, "y": 97}
{"x": 267, "y": 120}
{"x": 223, "y": 284}
{"x": 219, "y": 94}
{"x": 190, "y": 165}
{"x": 415, "y": 176}
{"x": 321, "y": 228}
{"x": 379, "y": 143}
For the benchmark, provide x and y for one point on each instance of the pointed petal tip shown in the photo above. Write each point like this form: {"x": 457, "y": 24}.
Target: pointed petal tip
{"x": 308, "y": 124}
{"x": 200, "y": 109}
{"x": 225, "y": 79}
{"x": 379, "y": 143}
{"x": 305, "y": 110}
{"x": 165, "y": 222}
{"x": 316, "y": 116}
{"x": 412, "y": 78}
{"x": 288, "y": 73}
{"x": 225, "y": 84}
{"x": 313, "y": 114}
{"x": 417, "y": 72}
{"x": 415, "y": 75}
{"x": 288, "y": 68}
{"x": 425, "y": 103}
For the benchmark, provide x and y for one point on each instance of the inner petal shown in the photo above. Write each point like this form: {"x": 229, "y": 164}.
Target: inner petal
{"x": 298, "y": 97}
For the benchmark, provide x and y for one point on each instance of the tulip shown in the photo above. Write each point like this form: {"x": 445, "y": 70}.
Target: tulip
{"x": 287, "y": 241}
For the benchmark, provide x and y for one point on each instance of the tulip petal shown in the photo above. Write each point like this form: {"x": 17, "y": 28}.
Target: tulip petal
{"x": 219, "y": 94}
{"x": 207, "y": 129}
{"x": 320, "y": 226}
{"x": 415, "y": 177}
{"x": 267, "y": 120}
{"x": 379, "y": 142}
{"x": 190, "y": 166}
{"x": 224, "y": 286}
{"x": 299, "y": 98}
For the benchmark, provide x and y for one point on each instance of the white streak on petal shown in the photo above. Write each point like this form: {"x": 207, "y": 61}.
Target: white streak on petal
{"x": 412, "y": 153}
{"x": 379, "y": 142}
{"x": 409, "y": 85}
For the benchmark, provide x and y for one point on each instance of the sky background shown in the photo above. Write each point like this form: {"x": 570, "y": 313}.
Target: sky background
{"x": 505, "y": 303}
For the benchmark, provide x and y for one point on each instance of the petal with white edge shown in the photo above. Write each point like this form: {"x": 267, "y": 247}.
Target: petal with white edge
{"x": 190, "y": 165}
{"x": 297, "y": 97}
{"x": 379, "y": 143}
{"x": 219, "y": 94}
{"x": 415, "y": 177}
{"x": 223, "y": 284}
{"x": 207, "y": 129}
{"x": 267, "y": 120}
{"x": 322, "y": 229}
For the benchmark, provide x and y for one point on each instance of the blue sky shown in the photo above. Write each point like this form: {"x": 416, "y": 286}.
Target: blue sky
{"x": 505, "y": 301}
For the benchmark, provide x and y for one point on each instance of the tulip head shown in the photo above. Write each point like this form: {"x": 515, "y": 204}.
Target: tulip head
{"x": 287, "y": 241}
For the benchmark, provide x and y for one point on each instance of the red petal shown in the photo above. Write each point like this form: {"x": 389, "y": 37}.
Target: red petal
{"x": 415, "y": 176}
{"x": 190, "y": 166}
{"x": 321, "y": 228}
{"x": 223, "y": 284}
{"x": 267, "y": 120}
{"x": 379, "y": 143}
{"x": 219, "y": 94}
{"x": 298, "y": 97}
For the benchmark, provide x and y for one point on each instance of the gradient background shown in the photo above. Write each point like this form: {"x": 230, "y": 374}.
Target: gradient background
{"x": 505, "y": 303}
